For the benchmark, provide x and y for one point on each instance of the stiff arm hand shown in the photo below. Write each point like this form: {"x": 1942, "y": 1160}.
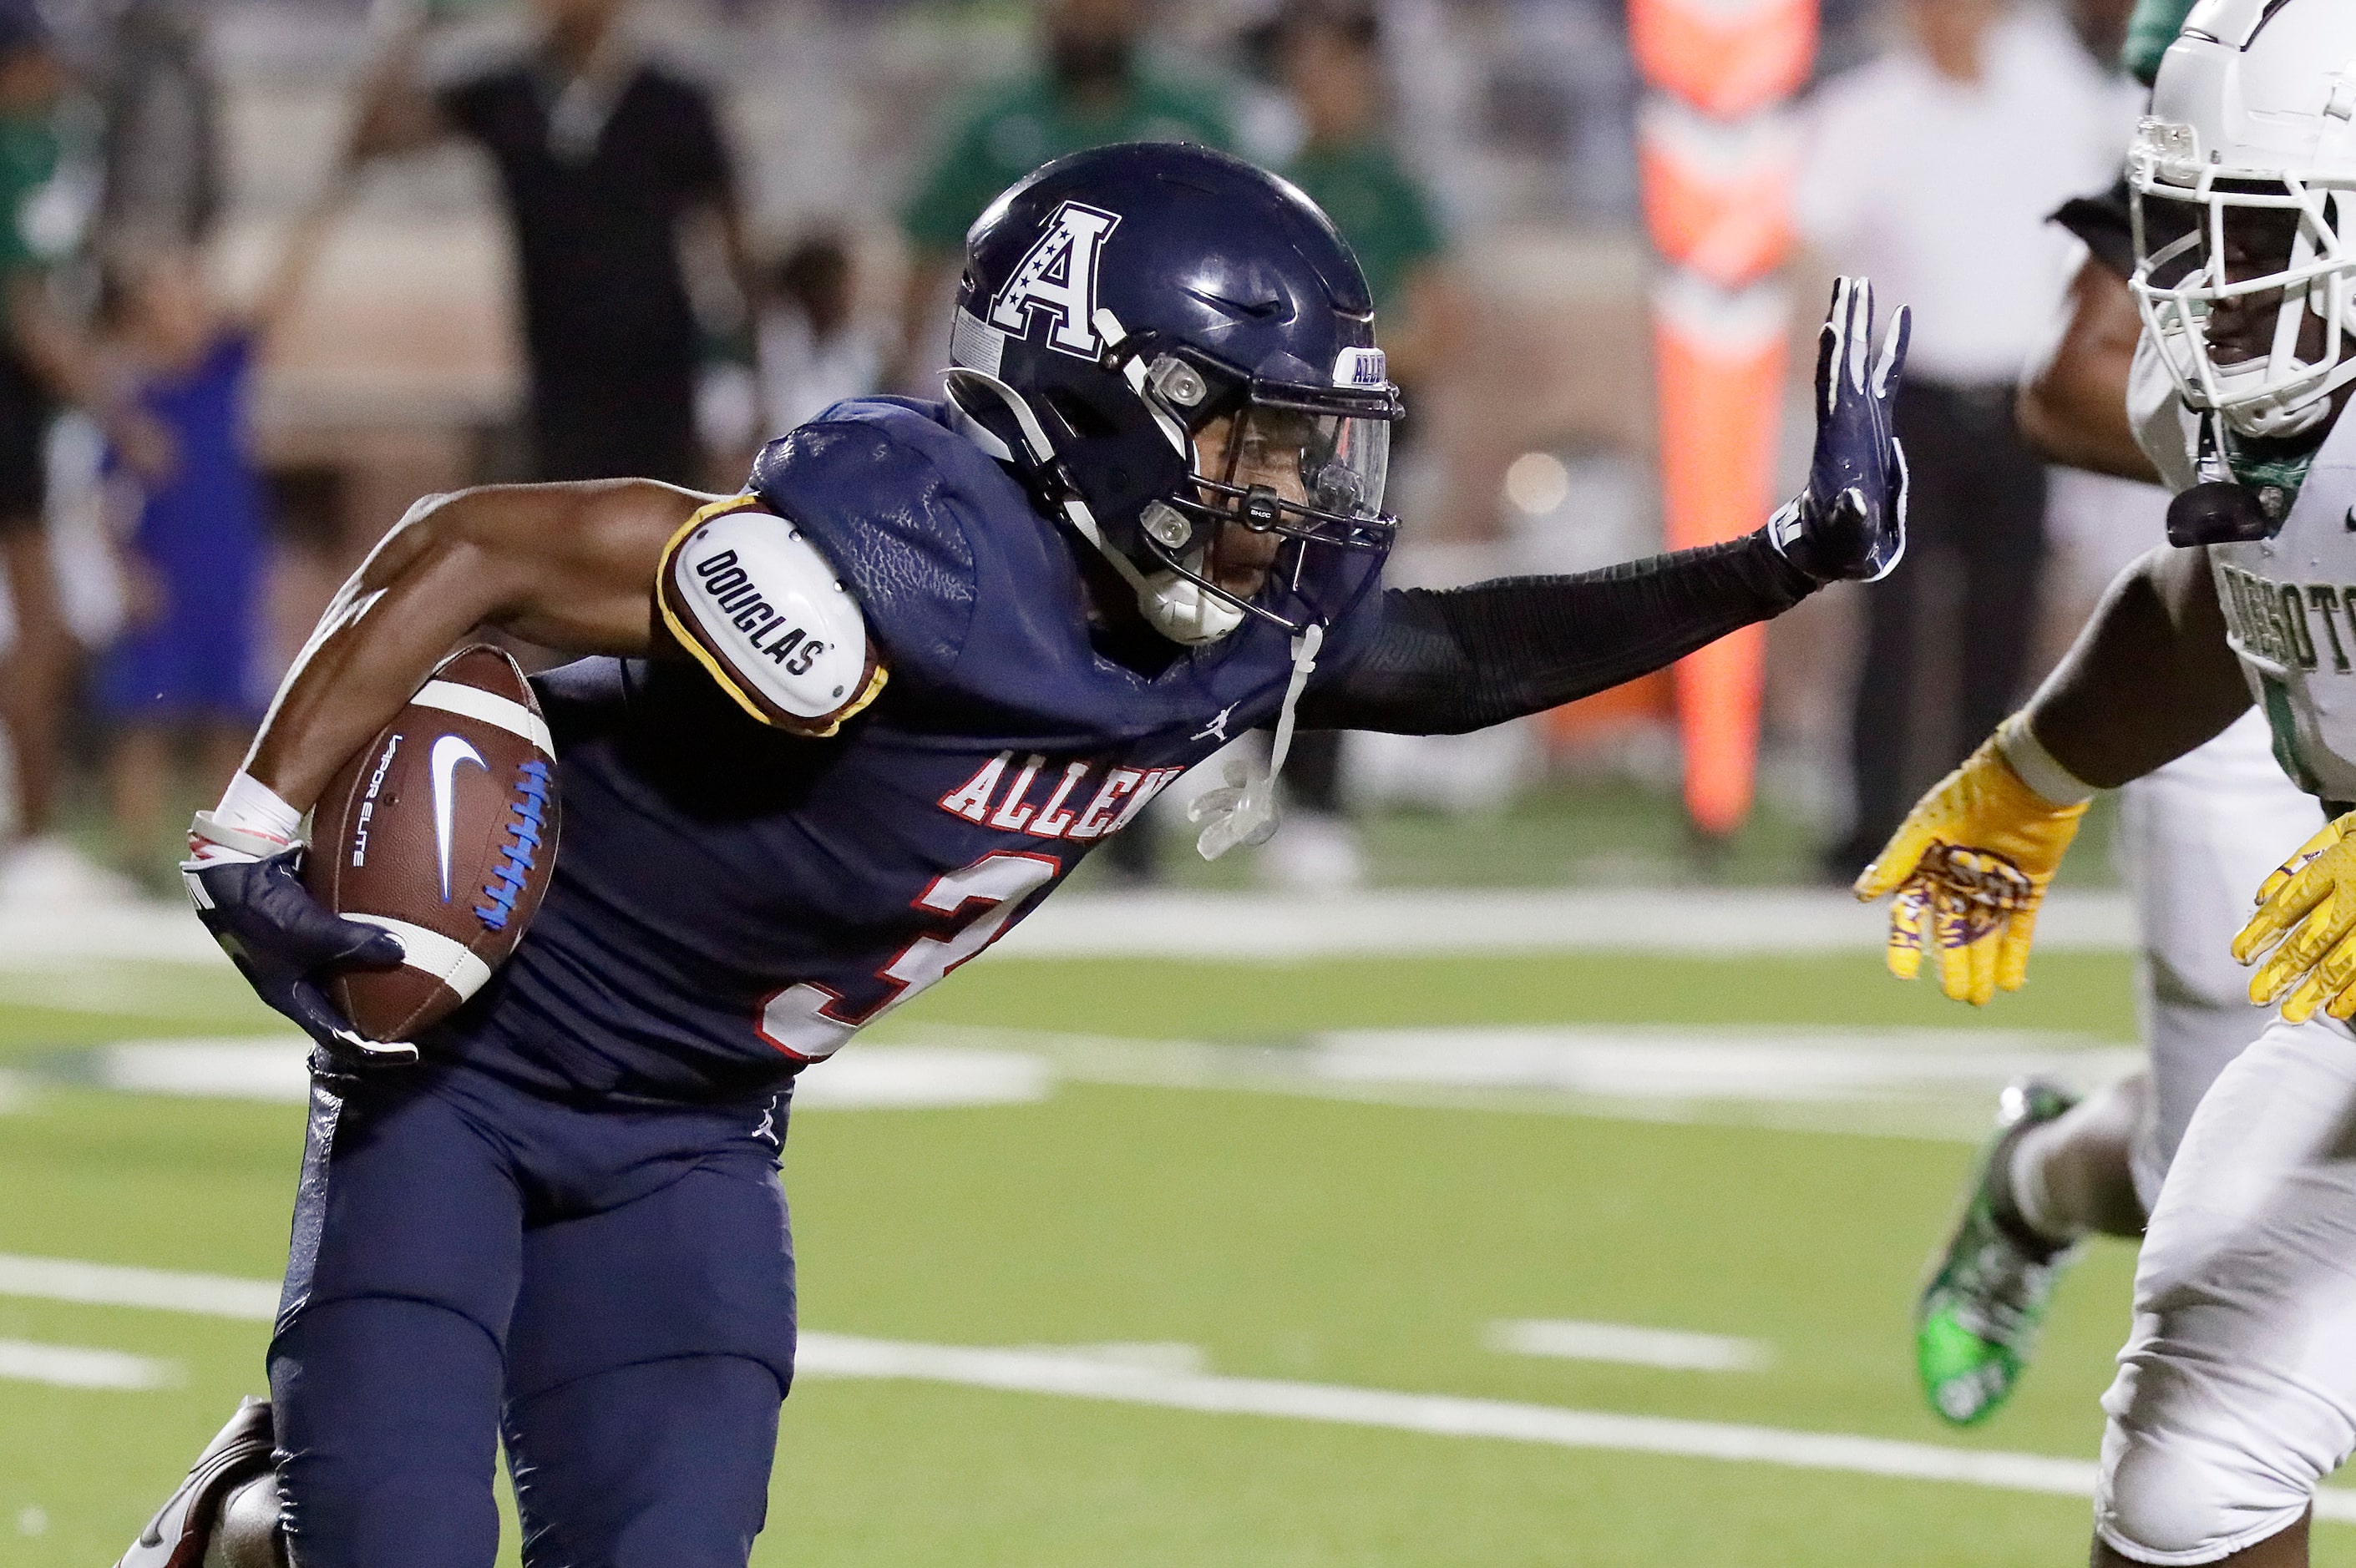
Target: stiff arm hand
{"x": 1970, "y": 865}
{"x": 1851, "y": 522}
{"x": 2306, "y": 929}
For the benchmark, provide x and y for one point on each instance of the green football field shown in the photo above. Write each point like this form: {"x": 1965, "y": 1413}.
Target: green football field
{"x": 1235, "y": 1300}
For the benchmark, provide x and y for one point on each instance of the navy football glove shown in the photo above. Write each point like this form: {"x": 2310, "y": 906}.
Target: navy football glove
{"x": 1851, "y": 522}
{"x": 279, "y": 936}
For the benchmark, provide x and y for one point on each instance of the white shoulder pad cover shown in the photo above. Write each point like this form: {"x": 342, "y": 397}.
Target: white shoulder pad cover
{"x": 760, "y": 608}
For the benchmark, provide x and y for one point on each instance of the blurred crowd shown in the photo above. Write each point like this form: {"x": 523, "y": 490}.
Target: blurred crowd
{"x": 271, "y": 269}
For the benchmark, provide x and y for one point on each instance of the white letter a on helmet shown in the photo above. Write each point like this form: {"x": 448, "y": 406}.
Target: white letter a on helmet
{"x": 1059, "y": 275}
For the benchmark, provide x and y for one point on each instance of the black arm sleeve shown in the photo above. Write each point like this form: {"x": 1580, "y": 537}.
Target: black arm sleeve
{"x": 1442, "y": 663}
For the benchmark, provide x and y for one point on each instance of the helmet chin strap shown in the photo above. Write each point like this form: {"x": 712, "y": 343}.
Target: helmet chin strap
{"x": 1186, "y": 612}
{"x": 1181, "y": 610}
{"x": 1243, "y": 810}
{"x": 2279, "y": 423}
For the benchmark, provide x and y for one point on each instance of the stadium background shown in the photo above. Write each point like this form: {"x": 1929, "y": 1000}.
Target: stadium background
{"x": 1548, "y": 1186}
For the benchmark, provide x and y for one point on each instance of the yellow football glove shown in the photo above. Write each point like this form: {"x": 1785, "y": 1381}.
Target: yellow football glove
{"x": 2307, "y": 914}
{"x": 1969, "y": 865}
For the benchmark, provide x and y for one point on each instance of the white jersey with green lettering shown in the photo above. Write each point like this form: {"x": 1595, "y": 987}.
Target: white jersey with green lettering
{"x": 2289, "y": 602}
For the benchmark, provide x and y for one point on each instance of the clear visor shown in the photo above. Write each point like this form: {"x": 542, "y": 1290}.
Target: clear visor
{"x": 1334, "y": 463}
{"x": 2244, "y": 287}
{"x": 1285, "y": 517}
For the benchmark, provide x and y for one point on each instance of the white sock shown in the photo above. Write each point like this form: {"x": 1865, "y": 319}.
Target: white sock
{"x": 2032, "y": 1193}
{"x": 2072, "y": 1175}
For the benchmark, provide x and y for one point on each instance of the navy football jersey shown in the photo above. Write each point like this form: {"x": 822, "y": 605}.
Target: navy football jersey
{"x": 731, "y": 902}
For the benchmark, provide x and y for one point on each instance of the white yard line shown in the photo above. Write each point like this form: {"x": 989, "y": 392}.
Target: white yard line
{"x": 155, "y": 932}
{"x": 1248, "y": 926}
{"x": 111, "y": 1284}
{"x": 1935, "y": 1084}
{"x": 1447, "y": 1416}
{"x": 150, "y": 990}
{"x": 1625, "y": 1344}
{"x": 1115, "y": 1375}
{"x": 74, "y": 1366}
{"x": 1483, "y": 921}
{"x": 274, "y": 1067}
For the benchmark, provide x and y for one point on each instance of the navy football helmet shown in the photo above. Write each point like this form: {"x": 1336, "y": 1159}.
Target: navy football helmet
{"x": 1166, "y": 340}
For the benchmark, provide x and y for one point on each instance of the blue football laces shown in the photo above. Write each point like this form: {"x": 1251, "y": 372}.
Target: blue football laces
{"x": 530, "y": 811}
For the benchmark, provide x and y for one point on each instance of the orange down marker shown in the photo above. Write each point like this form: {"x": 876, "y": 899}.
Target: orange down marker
{"x": 1716, "y": 165}
{"x": 1719, "y": 364}
{"x": 1726, "y": 57}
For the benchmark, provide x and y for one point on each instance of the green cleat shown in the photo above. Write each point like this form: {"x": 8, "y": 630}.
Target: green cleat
{"x": 1978, "y": 1315}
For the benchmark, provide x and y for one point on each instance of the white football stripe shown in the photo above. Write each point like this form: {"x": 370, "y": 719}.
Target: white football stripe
{"x": 447, "y": 961}
{"x": 71, "y": 1366}
{"x": 1628, "y": 1345}
{"x": 473, "y": 702}
{"x": 159, "y": 1290}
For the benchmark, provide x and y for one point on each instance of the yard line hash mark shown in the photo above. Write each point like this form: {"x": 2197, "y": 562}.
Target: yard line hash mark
{"x": 74, "y": 1366}
{"x": 1090, "y": 1375}
{"x": 111, "y": 1285}
{"x": 1628, "y": 1345}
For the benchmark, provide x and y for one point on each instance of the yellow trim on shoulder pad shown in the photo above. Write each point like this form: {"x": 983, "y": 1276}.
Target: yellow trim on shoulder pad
{"x": 679, "y": 634}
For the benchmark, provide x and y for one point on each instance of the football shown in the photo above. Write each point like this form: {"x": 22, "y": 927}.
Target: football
{"x": 443, "y": 830}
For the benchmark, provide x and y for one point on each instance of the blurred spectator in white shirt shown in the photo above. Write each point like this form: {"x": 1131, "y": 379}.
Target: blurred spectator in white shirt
{"x": 815, "y": 349}
{"x": 1932, "y": 170}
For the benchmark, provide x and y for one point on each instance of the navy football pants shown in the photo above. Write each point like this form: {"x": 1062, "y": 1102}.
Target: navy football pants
{"x": 611, "y": 1290}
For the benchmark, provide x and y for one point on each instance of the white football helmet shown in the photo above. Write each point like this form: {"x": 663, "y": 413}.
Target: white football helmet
{"x": 2244, "y": 187}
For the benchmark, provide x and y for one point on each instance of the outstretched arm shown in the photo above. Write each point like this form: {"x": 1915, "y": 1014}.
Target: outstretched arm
{"x": 393, "y": 114}
{"x": 569, "y": 567}
{"x": 1444, "y": 663}
{"x": 282, "y": 291}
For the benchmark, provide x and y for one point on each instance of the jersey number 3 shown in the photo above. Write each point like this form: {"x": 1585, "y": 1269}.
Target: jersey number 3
{"x": 810, "y": 1022}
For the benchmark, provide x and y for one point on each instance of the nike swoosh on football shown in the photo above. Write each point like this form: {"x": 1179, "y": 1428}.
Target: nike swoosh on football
{"x": 448, "y": 752}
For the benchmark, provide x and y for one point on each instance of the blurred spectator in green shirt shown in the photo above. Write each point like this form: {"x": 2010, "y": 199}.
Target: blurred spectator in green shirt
{"x": 1090, "y": 88}
{"x": 1330, "y": 56}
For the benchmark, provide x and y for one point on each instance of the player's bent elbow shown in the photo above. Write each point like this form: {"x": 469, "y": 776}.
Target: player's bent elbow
{"x": 2073, "y": 412}
{"x": 2040, "y": 423}
{"x": 455, "y": 537}
{"x": 2050, "y": 412}
{"x": 571, "y": 567}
